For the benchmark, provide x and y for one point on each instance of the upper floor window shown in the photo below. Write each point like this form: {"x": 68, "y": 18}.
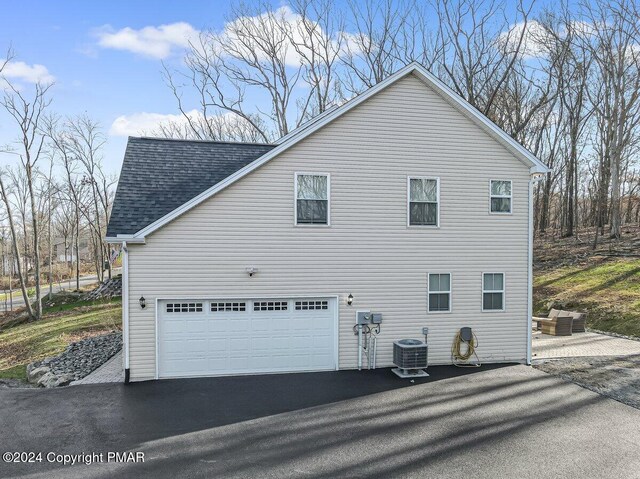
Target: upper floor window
{"x": 312, "y": 199}
{"x": 424, "y": 198}
{"x": 500, "y": 196}
{"x": 493, "y": 291}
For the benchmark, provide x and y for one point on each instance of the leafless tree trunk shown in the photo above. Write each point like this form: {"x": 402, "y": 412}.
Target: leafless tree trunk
{"x": 614, "y": 44}
{"x": 86, "y": 142}
{"x": 16, "y": 251}
{"x": 61, "y": 140}
{"x": 27, "y": 114}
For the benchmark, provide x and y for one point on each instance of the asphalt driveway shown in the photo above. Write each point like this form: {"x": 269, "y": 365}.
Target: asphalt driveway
{"x": 506, "y": 422}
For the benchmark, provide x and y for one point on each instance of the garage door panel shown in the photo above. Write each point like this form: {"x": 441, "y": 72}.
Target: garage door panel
{"x": 280, "y": 324}
{"x": 238, "y": 345}
{"x": 196, "y": 325}
{"x": 302, "y": 324}
{"x": 221, "y": 337}
{"x": 238, "y": 325}
{"x": 174, "y": 347}
{"x": 173, "y": 326}
{"x": 197, "y": 347}
{"x": 260, "y": 324}
{"x": 322, "y": 342}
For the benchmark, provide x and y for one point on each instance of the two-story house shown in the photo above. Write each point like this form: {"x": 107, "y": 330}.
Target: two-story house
{"x": 253, "y": 258}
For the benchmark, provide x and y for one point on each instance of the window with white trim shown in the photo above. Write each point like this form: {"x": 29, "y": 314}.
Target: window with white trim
{"x": 439, "y": 292}
{"x": 500, "y": 196}
{"x": 424, "y": 195}
{"x": 184, "y": 307}
{"x": 493, "y": 291}
{"x": 312, "y": 199}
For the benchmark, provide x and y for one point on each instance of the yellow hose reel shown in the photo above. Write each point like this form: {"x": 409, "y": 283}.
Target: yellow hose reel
{"x": 459, "y": 358}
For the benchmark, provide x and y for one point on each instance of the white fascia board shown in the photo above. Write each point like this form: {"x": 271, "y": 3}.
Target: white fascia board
{"x": 131, "y": 239}
{"x": 305, "y": 130}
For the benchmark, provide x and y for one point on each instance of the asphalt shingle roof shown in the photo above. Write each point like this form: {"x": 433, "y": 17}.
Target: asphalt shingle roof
{"x": 159, "y": 175}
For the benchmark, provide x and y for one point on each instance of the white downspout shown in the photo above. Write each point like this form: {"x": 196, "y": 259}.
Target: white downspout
{"x": 534, "y": 178}
{"x": 125, "y": 309}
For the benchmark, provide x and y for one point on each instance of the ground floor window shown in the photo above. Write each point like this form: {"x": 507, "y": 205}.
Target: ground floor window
{"x": 439, "y": 288}
{"x": 493, "y": 291}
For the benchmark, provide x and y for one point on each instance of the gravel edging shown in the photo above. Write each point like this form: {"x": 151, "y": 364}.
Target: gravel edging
{"x": 78, "y": 360}
{"x": 615, "y": 377}
{"x": 615, "y": 335}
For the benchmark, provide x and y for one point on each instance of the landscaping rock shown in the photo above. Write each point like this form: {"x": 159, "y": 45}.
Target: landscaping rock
{"x": 77, "y": 361}
{"x": 49, "y": 380}
{"x": 35, "y": 373}
{"x": 64, "y": 380}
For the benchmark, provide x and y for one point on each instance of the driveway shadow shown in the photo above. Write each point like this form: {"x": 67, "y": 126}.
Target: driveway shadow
{"x": 110, "y": 415}
{"x": 493, "y": 424}
{"x": 214, "y": 402}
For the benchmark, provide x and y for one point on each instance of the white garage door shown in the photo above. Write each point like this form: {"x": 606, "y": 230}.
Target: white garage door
{"x": 220, "y": 337}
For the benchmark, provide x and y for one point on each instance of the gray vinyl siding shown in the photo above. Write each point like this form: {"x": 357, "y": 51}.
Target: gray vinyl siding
{"x": 368, "y": 251}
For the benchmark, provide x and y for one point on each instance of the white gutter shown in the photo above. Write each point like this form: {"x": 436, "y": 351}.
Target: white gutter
{"x": 125, "y": 309}
{"x": 128, "y": 238}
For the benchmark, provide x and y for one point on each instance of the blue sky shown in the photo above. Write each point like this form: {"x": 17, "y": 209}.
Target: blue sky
{"x": 105, "y": 58}
{"x": 104, "y": 82}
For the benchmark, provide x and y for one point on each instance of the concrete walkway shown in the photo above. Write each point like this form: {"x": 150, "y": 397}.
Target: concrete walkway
{"x": 110, "y": 372}
{"x": 544, "y": 346}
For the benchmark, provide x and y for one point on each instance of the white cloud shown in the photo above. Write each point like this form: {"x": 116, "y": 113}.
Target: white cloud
{"x": 141, "y": 123}
{"x": 534, "y": 40}
{"x": 240, "y": 32}
{"x": 28, "y": 73}
{"x": 156, "y": 42}
{"x": 283, "y": 25}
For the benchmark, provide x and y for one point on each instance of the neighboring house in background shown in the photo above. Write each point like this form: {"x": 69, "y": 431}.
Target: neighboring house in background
{"x": 241, "y": 258}
{"x": 67, "y": 253}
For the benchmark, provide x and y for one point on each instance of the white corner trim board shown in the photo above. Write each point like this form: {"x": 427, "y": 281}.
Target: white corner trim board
{"x": 536, "y": 166}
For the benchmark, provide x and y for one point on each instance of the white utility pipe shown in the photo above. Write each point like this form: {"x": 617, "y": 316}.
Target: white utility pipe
{"x": 360, "y": 347}
{"x": 375, "y": 349}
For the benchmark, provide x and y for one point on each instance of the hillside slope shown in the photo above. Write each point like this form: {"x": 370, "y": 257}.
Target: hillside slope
{"x": 605, "y": 283}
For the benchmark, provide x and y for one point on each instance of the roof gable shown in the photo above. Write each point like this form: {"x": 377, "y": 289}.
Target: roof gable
{"x": 286, "y": 142}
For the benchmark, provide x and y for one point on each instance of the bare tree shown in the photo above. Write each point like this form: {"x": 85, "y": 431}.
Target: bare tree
{"x": 86, "y": 142}
{"x": 61, "y": 142}
{"x": 615, "y": 94}
{"x": 253, "y": 52}
{"x": 317, "y": 37}
{"x": 478, "y": 54}
{"x": 14, "y": 240}
{"x": 27, "y": 114}
{"x": 225, "y": 127}
{"x": 380, "y": 44}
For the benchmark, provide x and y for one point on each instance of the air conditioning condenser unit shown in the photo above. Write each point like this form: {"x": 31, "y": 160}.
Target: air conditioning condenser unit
{"x": 411, "y": 356}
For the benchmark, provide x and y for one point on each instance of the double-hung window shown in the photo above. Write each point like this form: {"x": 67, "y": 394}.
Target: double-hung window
{"x": 493, "y": 291}
{"x": 439, "y": 289}
{"x": 312, "y": 199}
{"x": 424, "y": 197}
{"x": 500, "y": 196}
